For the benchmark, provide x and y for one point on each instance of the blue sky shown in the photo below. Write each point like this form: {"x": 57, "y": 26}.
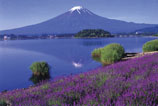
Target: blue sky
{"x": 18, "y": 13}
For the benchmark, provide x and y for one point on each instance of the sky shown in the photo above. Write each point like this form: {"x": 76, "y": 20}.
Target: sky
{"x": 19, "y": 13}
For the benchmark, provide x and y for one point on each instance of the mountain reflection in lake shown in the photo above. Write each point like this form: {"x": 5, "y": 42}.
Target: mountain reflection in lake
{"x": 17, "y": 56}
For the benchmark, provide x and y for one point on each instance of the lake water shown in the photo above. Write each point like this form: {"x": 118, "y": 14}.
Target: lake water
{"x": 16, "y": 57}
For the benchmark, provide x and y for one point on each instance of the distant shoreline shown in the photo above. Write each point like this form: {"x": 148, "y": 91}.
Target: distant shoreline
{"x": 46, "y": 38}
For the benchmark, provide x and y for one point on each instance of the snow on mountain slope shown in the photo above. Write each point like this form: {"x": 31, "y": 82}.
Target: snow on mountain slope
{"x": 76, "y": 8}
{"x": 80, "y": 10}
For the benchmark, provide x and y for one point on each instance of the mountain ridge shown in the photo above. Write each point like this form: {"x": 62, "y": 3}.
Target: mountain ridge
{"x": 75, "y": 20}
{"x": 148, "y": 30}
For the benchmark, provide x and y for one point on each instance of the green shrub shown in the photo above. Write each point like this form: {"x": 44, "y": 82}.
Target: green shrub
{"x": 40, "y": 68}
{"x": 97, "y": 53}
{"x": 112, "y": 53}
{"x": 150, "y": 46}
{"x": 109, "y": 54}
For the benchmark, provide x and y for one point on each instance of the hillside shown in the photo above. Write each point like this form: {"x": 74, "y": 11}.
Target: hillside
{"x": 132, "y": 82}
{"x": 149, "y": 30}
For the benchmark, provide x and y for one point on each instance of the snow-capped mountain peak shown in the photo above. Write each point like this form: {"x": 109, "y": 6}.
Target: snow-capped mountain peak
{"x": 80, "y": 10}
{"x": 76, "y": 8}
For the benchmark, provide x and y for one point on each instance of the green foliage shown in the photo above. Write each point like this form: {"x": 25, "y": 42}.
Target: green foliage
{"x": 40, "y": 68}
{"x": 92, "y": 33}
{"x": 155, "y": 35}
{"x": 97, "y": 52}
{"x": 109, "y": 54}
{"x": 3, "y": 103}
{"x": 112, "y": 53}
{"x": 45, "y": 86}
{"x": 54, "y": 102}
{"x": 150, "y": 46}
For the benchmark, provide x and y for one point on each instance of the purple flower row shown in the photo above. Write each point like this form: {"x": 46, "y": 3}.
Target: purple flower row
{"x": 132, "y": 82}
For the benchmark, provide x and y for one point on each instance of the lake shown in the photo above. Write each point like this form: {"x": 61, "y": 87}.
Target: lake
{"x": 17, "y": 56}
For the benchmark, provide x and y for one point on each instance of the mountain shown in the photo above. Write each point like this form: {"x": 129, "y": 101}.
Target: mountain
{"x": 76, "y": 19}
{"x": 148, "y": 30}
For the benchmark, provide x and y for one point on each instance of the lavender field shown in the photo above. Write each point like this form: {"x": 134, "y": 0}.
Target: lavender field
{"x": 128, "y": 83}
